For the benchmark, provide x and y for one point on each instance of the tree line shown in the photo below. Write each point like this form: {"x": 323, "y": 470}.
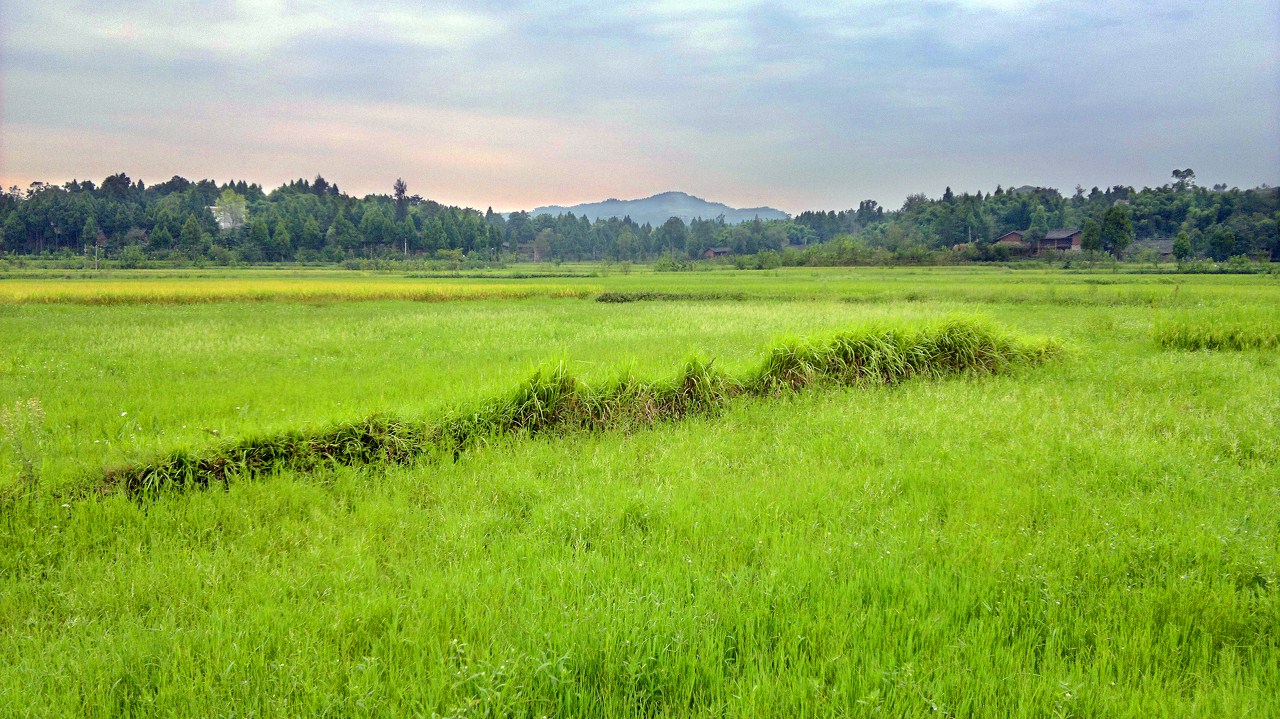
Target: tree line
{"x": 314, "y": 221}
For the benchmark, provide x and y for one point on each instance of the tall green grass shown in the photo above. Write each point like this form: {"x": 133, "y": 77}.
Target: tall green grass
{"x": 122, "y": 383}
{"x": 1072, "y": 541}
{"x": 555, "y": 400}
{"x": 1232, "y": 331}
{"x": 1096, "y": 538}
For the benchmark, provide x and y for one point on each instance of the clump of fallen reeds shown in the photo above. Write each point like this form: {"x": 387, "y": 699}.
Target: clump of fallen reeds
{"x": 554, "y": 400}
{"x": 371, "y": 440}
{"x": 655, "y": 296}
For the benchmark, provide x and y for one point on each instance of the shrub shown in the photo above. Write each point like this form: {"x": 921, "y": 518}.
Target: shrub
{"x": 132, "y": 257}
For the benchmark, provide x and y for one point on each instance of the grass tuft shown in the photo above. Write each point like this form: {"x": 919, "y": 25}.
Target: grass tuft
{"x": 1237, "y": 333}
{"x": 554, "y": 400}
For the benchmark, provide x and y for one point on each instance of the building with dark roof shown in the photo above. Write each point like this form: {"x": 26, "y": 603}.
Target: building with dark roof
{"x": 1059, "y": 240}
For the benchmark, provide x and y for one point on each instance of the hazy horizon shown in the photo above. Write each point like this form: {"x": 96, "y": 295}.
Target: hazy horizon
{"x": 748, "y": 104}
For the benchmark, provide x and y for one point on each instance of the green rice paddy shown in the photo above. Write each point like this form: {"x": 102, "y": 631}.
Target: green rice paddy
{"x": 1093, "y": 536}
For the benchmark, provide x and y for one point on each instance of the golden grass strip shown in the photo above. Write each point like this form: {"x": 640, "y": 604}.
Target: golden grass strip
{"x": 180, "y": 291}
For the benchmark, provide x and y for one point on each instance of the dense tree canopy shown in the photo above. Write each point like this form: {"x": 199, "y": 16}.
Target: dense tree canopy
{"x": 315, "y": 221}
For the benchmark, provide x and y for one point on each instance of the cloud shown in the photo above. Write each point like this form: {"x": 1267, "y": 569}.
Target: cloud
{"x": 818, "y": 104}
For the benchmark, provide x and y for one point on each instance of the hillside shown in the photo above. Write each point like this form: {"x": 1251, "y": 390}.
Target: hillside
{"x": 658, "y": 209}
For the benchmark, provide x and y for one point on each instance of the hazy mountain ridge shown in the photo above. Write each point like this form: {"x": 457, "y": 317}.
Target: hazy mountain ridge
{"x": 659, "y": 208}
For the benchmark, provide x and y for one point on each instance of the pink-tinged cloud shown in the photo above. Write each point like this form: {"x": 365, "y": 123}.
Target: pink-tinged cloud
{"x": 450, "y": 155}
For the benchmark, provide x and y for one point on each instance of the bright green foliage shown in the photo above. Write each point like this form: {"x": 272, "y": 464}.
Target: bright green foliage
{"x": 193, "y": 239}
{"x": 160, "y": 238}
{"x": 281, "y": 244}
{"x": 1182, "y": 247}
{"x": 312, "y": 237}
{"x": 232, "y": 206}
{"x": 23, "y": 436}
{"x": 1222, "y": 243}
{"x": 407, "y": 234}
{"x": 1039, "y": 226}
{"x": 342, "y": 233}
{"x": 131, "y": 257}
{"x": 1239, "y": 330}
{"x": 1116, "y": 231}
{"x": 13, "y": 233}
{"x": 1091, "y": 236}
{"x": 259, "y": 235}
{"x": 376, "y": 228}
{"x": 89, "y": 233}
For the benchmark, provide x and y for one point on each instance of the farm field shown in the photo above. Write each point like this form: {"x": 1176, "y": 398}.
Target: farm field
{"x": 1096, "y": 536}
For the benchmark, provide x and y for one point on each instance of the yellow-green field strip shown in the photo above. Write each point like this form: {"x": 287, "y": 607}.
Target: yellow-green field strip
{"x": 180, "y": 291}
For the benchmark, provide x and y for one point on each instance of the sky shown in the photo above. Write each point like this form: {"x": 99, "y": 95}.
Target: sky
{"x": 795, "y": 105}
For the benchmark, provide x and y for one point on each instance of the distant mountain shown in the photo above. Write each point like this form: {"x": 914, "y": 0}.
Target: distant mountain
{"x": 660, "y": 208}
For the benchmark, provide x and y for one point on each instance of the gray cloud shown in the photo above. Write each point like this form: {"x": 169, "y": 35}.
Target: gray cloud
{"x": 750, "y": 103}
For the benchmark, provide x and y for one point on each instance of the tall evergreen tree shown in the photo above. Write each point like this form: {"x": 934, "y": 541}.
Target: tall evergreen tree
{"x": 193, "y": 239}
{"x": 89, "y": 233}
{"x": 1117, "y": 230}
{"x": 342, "y": 233}
{"x": 281, "y": 242}
{"x": 312, "y": 237}
{"x": 1091, "y": 236}
{"x": 160, "y": 238}
{"x": 401, "y": 198}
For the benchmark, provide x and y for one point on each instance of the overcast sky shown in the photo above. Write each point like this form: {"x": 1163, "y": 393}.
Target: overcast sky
{"x": 796, "y": 105}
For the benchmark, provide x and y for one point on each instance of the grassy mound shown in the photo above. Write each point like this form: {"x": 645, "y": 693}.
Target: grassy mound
{"x": 554, "y": 400}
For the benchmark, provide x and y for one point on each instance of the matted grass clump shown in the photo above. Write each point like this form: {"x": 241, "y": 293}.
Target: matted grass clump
{"x": 554, "y": 400}
{"x": 1232, "y": 333}
{"x": 656, "y": 296}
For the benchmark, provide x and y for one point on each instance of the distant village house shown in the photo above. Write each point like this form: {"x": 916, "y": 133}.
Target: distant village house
{"x": 713, "y": 252}
{"x": 1060, "y": 240}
